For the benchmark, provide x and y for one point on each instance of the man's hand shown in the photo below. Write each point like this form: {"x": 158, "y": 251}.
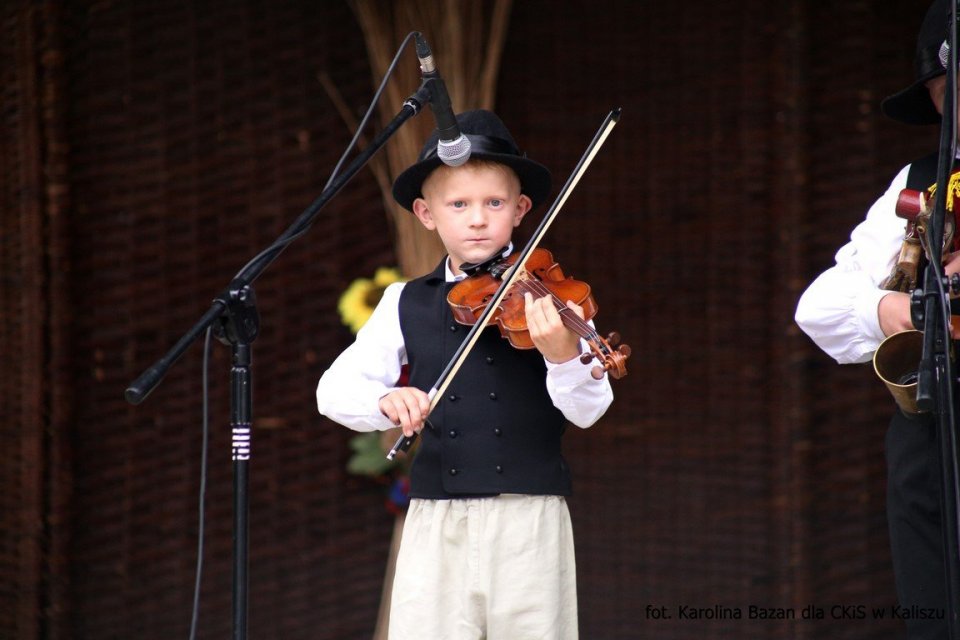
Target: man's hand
{"x": 951, "y": 264}
{"x": 406, "y": 407}
{"x": 894, "y": 313}
{"x": 894, "y": 308}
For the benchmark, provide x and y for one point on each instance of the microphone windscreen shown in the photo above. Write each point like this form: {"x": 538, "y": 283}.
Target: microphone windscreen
{"x": 454, "y": 153}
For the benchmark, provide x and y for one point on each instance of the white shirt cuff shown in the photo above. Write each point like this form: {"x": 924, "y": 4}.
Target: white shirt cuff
{"x": 569, "y": 374}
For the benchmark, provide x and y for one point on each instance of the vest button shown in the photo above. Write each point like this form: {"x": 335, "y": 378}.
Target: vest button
{"x": 452, "y": 397}
{"x": 499, "y": 469}
{"x": 489, "y": 359}
{"x": 493, "y": 396}
{"x": 453, "y": 472}
{"x": 453, "y": 327}
{"x": 497, "y": 431}
{"x": 453, "y": 433}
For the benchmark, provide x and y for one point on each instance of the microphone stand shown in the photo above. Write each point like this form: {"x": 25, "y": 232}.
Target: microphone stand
{"x": 930, "y": 309}
{"x": 237, "y": 324}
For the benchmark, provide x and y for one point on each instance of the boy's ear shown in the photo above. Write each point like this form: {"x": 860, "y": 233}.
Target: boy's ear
{"x": 422, "y": 211}
{"x": 524, "y": 204}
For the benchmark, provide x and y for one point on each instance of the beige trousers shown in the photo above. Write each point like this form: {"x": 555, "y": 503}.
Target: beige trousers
{"x": 499, "y": 568}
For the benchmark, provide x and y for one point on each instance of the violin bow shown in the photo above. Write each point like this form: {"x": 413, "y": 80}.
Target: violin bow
{"x": 446, "y": 376}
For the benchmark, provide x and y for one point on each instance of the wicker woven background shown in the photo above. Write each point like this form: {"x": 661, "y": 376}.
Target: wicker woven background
{"x": 148, "y": 149}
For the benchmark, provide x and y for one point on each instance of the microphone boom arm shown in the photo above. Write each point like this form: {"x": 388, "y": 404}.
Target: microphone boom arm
{"x": 140, "y": 388}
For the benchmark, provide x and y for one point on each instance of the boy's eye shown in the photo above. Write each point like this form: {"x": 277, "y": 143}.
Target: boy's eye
{"x": 496, "y": 202}
{"x": 459, "y": 204}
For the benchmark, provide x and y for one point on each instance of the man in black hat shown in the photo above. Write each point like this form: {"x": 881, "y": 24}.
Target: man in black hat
{"x": 487, "y": 547}
{"x": 848, "y": 313}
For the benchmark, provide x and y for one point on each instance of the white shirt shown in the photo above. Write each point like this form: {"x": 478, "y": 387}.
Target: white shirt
{"x": 350, "y": 390}
{"x": 839, "y": 309}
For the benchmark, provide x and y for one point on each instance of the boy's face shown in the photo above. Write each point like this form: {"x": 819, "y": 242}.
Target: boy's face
{"x": 474, "y": 208}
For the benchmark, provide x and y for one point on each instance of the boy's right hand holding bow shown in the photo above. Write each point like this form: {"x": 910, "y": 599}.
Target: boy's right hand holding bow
{"x": 406, "y": 407}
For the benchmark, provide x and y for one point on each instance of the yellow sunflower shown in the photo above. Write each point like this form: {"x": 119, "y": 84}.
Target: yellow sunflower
{"x": 361, "y": 297}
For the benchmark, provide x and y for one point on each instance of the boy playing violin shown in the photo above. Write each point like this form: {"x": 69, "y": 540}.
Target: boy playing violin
{"x": 848, "y": 312}
{"x": 487, "y": 548}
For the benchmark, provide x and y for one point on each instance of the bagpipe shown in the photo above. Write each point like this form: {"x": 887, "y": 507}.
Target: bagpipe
{"x": 897, "y": 358}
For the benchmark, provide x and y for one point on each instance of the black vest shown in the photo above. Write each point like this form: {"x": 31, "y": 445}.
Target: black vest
{"x": 496, "y": 429}
{"x": 923, "y": 172}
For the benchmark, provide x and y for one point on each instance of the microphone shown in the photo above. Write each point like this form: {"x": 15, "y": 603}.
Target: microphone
{"x": 453, "y": 149}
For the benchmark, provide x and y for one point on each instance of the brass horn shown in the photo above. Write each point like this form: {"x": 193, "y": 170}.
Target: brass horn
{"x": 895, "y": 362}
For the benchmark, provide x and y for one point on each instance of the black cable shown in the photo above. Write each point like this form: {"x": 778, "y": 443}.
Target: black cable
{"x": 203, "y": 483}
{"x": 283, "y": 241}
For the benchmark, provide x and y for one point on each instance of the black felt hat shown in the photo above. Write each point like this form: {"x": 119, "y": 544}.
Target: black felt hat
{"x": 489, "y": 140}
{"x": 913, "y": 104}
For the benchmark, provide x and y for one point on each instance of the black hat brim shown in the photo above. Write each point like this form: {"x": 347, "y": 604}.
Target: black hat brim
{"x": 534, "y": 177}
{"x": 912, "y": 105}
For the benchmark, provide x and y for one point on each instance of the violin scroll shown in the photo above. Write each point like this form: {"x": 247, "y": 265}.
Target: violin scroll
{"x": 610, "y": 353}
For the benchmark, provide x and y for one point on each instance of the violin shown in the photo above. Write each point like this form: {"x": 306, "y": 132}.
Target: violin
{"x": 542, "y": 277}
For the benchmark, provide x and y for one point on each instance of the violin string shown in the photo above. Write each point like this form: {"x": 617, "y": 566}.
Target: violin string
{"x": 575, "y": 322}
{"x": 537, "y": 288}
